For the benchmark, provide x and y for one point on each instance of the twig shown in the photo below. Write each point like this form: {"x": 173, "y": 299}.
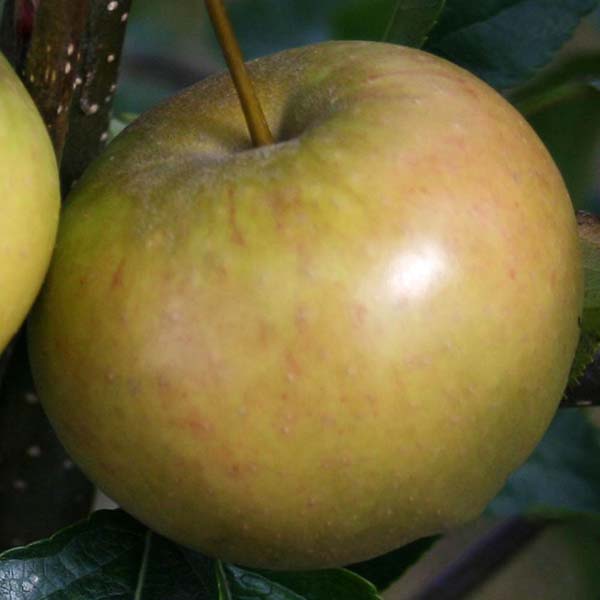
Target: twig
{"x": 53, "y": 60}
{"x": 95, "y": 86}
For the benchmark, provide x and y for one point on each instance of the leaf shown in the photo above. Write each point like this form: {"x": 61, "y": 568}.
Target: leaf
{"x": 570, "y": 81}
{"x": 330, "y": 584}
{"x": 563, "y": 472}
{"x": 404, "y": 22}
{"x": 505, "y": 41}
{"x": 110, "y": 555}
{"x": 566, "y": 94}
{"x": 360, "y": 20}
{"x": 412, "y": 21}
{"x": 589, "y": 343}
{"x": 384, "y": 570}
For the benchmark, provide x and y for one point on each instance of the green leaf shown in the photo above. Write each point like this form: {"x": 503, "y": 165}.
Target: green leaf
{"x": 384, "y": 570}
{"x": 506, "y": 41}
{"x": 110, "y": 555}
{"x": 567, "y": 94}
{"x": 412, "y": 21}
{"x": 331, "y": 584}
{"x": 570, "y": 81}
{"x": 589, "y": 343}
{"x": 405, "y": 22}
{"x": 563, "y": 472}
{"x": 360, "y": 20}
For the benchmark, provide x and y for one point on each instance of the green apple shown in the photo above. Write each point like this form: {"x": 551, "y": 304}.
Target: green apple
{"x": 29, "y": 202}
{"x": 310, "y": 353}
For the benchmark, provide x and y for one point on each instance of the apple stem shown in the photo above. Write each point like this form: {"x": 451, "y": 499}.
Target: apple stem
{"x": 255, "y": 118}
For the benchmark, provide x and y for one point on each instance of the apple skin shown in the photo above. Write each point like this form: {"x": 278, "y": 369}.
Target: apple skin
{"x": 29, "y": 202}
{"x": 308, "y": 354}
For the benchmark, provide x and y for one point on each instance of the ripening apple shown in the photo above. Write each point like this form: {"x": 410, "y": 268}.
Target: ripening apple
{"x": 311, "y": 353}
{"x": 29, "y": 202}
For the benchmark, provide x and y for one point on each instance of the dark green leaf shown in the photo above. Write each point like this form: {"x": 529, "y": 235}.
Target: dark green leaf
{"x": 112, "y": 556}
{"x": 384, "y": 570}
{"x": 570, "y": 81}
{"x": 405, "y": 22}
{"x": 109, "y": 556}
{"x": 566, "y": 95}
{"x": 360, "y": 20}
{"x": 412, "y": 21}
{"x": 563, "y": 472}
{"x": 506, "y": 41}
{"x": 331, "y": 584}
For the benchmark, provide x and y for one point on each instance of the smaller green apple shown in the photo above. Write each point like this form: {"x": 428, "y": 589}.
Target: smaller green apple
{"x": 29, "y": 202}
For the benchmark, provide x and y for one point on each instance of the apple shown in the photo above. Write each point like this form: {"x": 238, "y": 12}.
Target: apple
{"x": 29, "y": 202}
{"x": 310, "y": 353}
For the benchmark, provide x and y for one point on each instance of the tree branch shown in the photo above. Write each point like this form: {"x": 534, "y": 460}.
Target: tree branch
{"x": 53, "y": 62}
{"x": 95, "y": 88}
